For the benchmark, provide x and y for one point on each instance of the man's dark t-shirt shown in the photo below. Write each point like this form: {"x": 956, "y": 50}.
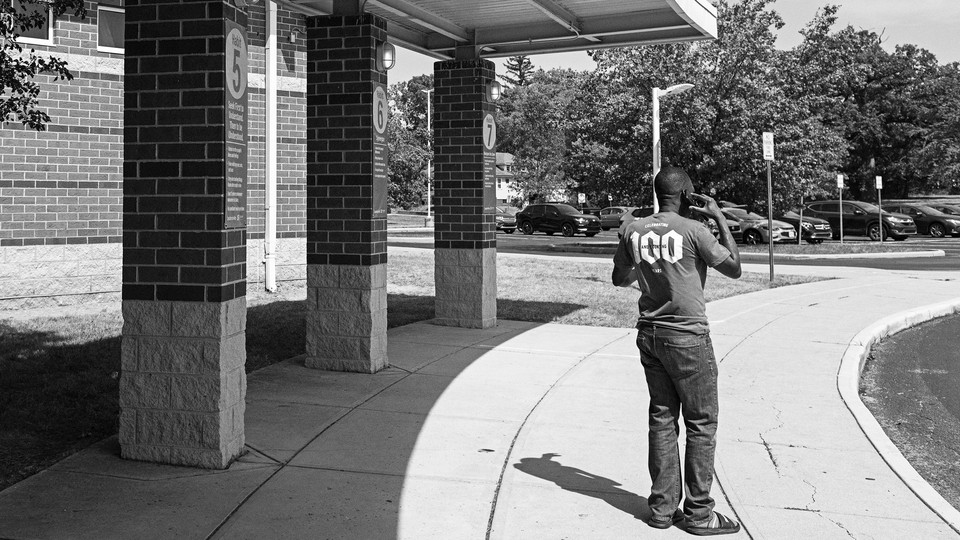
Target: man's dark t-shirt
{"x": 671, "y": 254}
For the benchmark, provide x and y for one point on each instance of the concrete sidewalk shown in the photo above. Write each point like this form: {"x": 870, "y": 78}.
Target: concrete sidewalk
{"x": 521, "y": 431}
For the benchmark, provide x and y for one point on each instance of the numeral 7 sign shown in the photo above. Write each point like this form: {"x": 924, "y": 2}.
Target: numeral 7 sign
{"x": 489, "y": 132}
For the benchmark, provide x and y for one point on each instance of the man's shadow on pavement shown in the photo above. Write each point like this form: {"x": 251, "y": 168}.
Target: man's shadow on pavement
{"x": 584, "y": 483}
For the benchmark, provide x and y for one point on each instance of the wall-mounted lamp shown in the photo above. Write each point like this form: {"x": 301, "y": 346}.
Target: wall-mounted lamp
{"x": 493, "y": 91}
{"x": 386, "y": 56}
{"x": 292, "y": 38}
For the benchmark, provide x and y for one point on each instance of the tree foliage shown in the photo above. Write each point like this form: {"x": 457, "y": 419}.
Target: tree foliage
{"x": 19, "y": 95}
{"x": 409, "y": 141}
{"x": 519, "y": 70}
{"x": 839, "y": 102}
{"x": 533, "y": 124}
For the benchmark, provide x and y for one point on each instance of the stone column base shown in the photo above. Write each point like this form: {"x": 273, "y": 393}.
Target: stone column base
{"x": 183, "y": 383}
{"x": 466, "y": 284}
{"x": 347, "y": 317}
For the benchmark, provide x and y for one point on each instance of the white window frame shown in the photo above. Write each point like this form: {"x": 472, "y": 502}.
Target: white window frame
{"x": 39, "y": 41}
{"x": 115, "y": 9}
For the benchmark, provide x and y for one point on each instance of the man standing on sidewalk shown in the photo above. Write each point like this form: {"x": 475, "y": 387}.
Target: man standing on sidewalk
{"x": 668, "y": 254}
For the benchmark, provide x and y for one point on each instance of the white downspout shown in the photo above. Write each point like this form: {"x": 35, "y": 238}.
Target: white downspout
{"x": 270, "y": 88}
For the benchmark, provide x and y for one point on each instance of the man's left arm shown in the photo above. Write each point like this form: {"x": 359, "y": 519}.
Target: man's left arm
{"x": 624, "y": 273}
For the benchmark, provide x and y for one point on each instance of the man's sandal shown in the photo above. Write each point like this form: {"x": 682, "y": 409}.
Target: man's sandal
{"x": 677, "y": 517}
{"x": 718, "y": 524}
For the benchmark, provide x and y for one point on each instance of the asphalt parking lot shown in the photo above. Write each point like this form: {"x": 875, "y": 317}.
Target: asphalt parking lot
{"x": 540, "y": 243}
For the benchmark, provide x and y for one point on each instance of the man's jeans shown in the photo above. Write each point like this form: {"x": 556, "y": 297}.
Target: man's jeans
{"x": 681, "y": 374}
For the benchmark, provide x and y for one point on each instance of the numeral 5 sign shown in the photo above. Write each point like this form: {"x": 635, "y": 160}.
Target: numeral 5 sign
{"x": 652, "y": 247}
{"x": 236, "y": 57}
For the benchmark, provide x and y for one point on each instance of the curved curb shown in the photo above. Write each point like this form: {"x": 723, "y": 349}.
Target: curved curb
{"x": 848, "y": 383}
{"x": 828, "y": 256}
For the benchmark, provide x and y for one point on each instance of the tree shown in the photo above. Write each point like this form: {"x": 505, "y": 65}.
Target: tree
{"x": 713, "y": 131}
{"x": 19, "y": 96}
{"x": 409, "y": 141}
{"x": 519, "y": 70}
{"x": 533, "y": 126}
{"x": 942, "y": 150}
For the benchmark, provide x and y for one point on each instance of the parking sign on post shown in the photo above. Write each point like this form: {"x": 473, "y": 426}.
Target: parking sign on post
{"x": 768, "y": 146}
{"x": 840, "y": 193}
{"x": 879, "y": 210}
{"x": 768, "y": 157}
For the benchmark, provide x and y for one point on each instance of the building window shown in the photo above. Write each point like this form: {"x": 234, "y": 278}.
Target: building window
{"x": 40, "y": 35}
{"x": 110, "y": 29}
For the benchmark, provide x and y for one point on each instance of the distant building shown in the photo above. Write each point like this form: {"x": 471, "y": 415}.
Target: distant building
{"x": 506, "y": 184}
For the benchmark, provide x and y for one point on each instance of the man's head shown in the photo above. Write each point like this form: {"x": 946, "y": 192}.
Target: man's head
{"x": 672, "y": 185}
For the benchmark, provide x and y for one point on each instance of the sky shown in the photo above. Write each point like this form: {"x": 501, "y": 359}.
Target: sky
{"x": 931, "y": 24}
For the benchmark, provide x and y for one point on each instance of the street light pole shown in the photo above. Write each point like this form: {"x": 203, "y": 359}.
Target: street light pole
{"x": 657, "y": 94}
{"x": 429, "y": 148}
{"x": 656, "y": 145}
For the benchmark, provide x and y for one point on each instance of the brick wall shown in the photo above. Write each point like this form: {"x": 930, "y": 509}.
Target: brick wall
{"x": 175, "y": 246}
{"x": 459, "y": 110}
{"x": 291, "y": 165}
{"x": 63, "y": 186}
{"x": 341, "y": 75}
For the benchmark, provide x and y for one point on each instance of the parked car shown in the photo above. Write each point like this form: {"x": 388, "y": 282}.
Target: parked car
{"x": 631, "y": 216}
{"x": 861, "y": 218}
{"x": 645, "y": 211}
{"x": 813, "y": 230}
{"x": 929, "y": 220}
{"x": 610, "y": 216}
{"x": 754, "y": 227}
{"x": 951, "y": 209}
{"x": 506, "y": 218}
{"x": 586, "y": 209}
{"x": 556, "y": 217}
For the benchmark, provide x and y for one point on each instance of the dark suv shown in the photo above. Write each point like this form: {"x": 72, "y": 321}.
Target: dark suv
{"x": 556, "y": 217}
{"x": 860, "y": 218}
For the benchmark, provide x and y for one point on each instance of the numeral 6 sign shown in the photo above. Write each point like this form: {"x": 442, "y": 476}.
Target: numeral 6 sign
{"x": 380, "y": 110}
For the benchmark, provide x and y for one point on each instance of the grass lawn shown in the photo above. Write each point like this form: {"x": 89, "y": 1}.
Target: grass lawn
{"x": 59, "y": 368}
{"x": 405, "y": 220}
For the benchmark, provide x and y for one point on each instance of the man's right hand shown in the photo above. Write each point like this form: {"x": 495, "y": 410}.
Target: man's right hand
{"x": 708, "y": 207}
{"x": 705, "y": 205}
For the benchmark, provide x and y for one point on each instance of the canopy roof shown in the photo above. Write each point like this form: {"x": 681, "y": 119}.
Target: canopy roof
{"x": 497, "y": 28}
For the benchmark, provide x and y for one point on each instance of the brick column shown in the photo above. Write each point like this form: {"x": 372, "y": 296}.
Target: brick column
{"x": 184, "y": 239}
{"x": 464, "y": 194}
{"x": 346, "y": 195}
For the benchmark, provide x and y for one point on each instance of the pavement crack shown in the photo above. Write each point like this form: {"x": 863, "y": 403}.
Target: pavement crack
{"x": 838, "y": 524}
{"x": 773, "y": 459}
{"x": 813, "y": 496}
{"x": 766, "y": 444}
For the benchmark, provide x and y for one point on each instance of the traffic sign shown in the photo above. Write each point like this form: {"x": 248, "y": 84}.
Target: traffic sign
{"x": 839, "y": 180}
{"x": 768, "y": 146}
{"x": 879, "y": 182}
{"x": 609, "y": 197}
{"x": 581, "y": 198}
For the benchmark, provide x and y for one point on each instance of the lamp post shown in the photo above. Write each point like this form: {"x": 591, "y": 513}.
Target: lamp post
{"x": 428, "y": 92}
{"x": 657, "y": 94}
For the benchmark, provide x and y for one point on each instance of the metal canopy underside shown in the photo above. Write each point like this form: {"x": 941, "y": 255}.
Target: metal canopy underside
{"x": 497, "y": 28}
